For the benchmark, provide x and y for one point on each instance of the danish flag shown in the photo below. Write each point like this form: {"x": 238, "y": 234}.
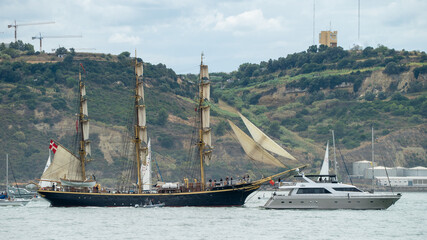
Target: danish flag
{"x": 53, "y": 146}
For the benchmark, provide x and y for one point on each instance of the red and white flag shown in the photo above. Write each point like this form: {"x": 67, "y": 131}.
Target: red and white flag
{"x": 53, "y": 146}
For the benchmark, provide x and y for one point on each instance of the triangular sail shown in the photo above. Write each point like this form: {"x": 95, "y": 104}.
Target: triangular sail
{"x": 46, "y": 183}
{"x": 264, "y": 140}
{"x": 64, "y": 165}
{"x": 146, "y": 170}
{"x": 325, "y": 166}
{"x": 254, "y": 150}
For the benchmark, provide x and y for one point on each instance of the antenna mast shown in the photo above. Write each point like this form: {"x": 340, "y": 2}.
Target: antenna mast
{"x": 314, "y": 19}
{"x": 358, "y": 23}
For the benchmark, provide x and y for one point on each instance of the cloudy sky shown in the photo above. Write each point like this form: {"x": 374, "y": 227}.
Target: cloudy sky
{"x": 229, "y": 32}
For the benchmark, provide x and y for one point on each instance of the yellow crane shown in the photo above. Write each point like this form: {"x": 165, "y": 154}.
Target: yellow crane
{"x": 64, "y": 36}
{"x": 24, "y": 24}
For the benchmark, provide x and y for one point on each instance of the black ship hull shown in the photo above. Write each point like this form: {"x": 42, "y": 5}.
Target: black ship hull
{"x": 217, "y": 198}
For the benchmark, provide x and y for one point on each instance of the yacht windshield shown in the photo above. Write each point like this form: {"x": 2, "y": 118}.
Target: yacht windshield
{"x": 312, "y": 191}
{"x": 347, "y": 189}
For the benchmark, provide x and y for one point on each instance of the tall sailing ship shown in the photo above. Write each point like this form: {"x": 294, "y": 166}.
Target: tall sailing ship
{"x": 197, "y": 193}
{"x": 66, "y": 169}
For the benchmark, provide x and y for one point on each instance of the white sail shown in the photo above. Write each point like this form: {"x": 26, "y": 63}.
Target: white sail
{"x": 85, "y": 124}
{"x": 204, "y": 73}
{"x": 146, "y": 170}
{"x": 206, "y": 113}
{"x": 207, "y": 139}
{"x": 64, "y": 165}
{"x": 264, "y": 140}
{"x": 139, "y": 69}
{"x": 84, "y": 106}
{"x": 140, "y": 91}
{"x": 206, "y": 91}
{"x": 254, "y": 150}
{"x": 142, "y": 121}
{"x": 44, "y": 184}
{"x": 325, "y": 166}
{"x": 83, "y": 90}
{"x": 88, "y": 149}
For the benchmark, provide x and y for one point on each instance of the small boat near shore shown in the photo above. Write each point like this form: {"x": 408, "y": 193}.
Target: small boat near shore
{"x": 327, "y": 193}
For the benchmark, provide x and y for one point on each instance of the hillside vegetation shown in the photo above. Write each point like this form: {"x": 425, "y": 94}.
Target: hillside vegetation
{"x": 297, "y": 100}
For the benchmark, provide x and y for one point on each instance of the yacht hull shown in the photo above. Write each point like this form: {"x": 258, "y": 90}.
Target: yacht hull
{"x": 218, "y": 198}
{"x": 374, "y": 201}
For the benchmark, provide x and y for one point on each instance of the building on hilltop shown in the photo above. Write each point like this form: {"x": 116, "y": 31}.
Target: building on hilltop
{"x": 328, "y": 38}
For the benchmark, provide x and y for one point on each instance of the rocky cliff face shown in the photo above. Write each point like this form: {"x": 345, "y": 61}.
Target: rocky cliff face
{"x": 406, "y": 147}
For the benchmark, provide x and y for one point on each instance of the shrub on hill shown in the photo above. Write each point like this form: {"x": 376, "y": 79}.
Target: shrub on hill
{"x": 394, "y": 68}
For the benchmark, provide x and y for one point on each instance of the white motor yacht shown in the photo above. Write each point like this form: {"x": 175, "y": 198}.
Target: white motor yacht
{"x": 13, "y": 202}
{"x": 327, "y": 193}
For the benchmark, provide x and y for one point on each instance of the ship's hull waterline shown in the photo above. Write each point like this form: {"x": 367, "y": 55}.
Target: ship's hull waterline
{"x": 218, "y": 198}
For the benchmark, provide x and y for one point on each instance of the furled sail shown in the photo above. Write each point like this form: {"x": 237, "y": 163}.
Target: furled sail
{"x": 254, "y": 150}
{"x": 139, "y": 70}
{"x": 142, "y": 119}
{"x": 85, "y": 124}
{"x": 84, "y": 118}
{"x": 64, "y": 165}
{"x": 140, "y": 91}
{"x": 207, "y": 139}
{"x": 264, "y": 140}
{"x": 83, "y": 90}
{"x": 204, "y": 93}
{"x": 141, "y": 138}
{"x": 146, "y": 170}
{"x": 84, "y": 106}
{"x": 325, "y": 166}
{"x": 88, "y": 149}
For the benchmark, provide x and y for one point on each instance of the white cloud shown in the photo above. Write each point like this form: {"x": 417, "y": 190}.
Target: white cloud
{"x": 229, "y": 32}
{"x": 123, "y": 38}
{"x": 248, "y": 21}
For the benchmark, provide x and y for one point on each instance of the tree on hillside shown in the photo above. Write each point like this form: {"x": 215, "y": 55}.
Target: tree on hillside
{"x": 162, "y": 118}
{"x": 61, "y": 51}
{"x": 322, "y": 48}
{"x": 123, "y": 55}
{"x": 312, "y": 49}
{"x": 394, "y": 68}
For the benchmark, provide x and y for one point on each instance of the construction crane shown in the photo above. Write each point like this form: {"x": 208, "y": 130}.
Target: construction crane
{"x": 24, "y": 24}
{"x": 64, "y": 36}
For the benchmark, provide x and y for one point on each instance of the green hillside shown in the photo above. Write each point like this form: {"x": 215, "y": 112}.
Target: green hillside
{"x": 297, "y": 100}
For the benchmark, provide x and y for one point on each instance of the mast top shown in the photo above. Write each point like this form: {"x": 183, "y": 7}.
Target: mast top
{"x": 201, "y": 58}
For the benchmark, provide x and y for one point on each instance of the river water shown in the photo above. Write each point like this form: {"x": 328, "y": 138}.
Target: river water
{"x": 407, "y": 219}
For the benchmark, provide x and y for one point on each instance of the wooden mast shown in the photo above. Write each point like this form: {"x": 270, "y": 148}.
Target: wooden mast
{"x": 137, "y": 139}
{"x": 140, "y": 139}
{"x": 201, "y": 142}
{"x": 82, "y": 151}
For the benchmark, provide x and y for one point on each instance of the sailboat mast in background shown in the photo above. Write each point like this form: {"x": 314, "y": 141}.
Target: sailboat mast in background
{"x": 373, "y": 160}
{"x": 335, "y": 156}
{"x": 7, "y": 171}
